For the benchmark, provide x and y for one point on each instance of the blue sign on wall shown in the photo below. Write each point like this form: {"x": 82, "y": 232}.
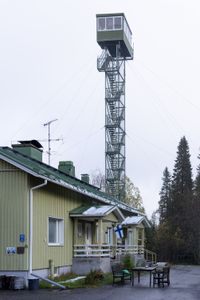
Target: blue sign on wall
{"x": 22, "y": 238}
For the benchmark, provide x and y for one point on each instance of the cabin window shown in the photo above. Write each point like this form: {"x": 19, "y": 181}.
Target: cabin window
{"x": 56, "y": 231}
{"x": 101, "y": 24}
{"x": 127, "y": 32}
{"x": 117, "y": 22}
{"x": 109, "y": 23}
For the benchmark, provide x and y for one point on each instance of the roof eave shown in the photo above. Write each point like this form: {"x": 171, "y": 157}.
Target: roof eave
{"x": 118, "y": 204}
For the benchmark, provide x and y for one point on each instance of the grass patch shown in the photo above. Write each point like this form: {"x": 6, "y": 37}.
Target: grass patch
{"x": 63, "y": 277}
{"x": 96, "y": 278}
{"x": 93, "y": 279}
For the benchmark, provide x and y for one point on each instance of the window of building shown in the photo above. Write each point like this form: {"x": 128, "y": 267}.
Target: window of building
{"x": 101, "y": 24}
{"x": 118, "y": 22}
{"x": 109, "y": 23}
{"x": 55, "y": 231}
{"x": 127, "y": 32}
{"x": 130, "y": 237}
{"x": 80, "y": 229}
{"x": 140, "y": 236}
{"x": 109, "y": 236}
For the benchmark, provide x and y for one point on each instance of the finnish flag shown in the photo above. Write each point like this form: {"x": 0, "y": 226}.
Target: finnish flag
{"x": 119, "y": 231}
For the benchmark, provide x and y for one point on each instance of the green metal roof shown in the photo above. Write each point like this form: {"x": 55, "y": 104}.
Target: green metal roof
{"x": 96, "y": 211}
{"x": 79, "y": 210}
{"x": 136, "y": 220}
{"x": 46, "y": 172}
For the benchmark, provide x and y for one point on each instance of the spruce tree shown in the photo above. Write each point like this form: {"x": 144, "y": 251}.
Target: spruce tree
{"x": 163, "y": 230}
{"x": 182, "y": 175}
{"x": 182, "y": 184}
{"x": 165, "y": 196}
{"x": 182, "y": 200}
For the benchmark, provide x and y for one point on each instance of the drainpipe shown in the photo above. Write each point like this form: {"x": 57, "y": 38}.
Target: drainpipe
{"x": 31, "y": 224}
{"x": 30, "y": 274}
{"x": 50, "y": 281}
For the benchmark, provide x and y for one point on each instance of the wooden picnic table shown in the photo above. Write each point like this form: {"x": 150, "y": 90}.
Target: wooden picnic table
{"x": 138, "y": 270}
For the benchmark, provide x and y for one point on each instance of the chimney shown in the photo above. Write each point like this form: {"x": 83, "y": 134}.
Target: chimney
{"x": 85, "y": 178}
{"x": 67, "y": 167}
{"x": 31, "y": 148}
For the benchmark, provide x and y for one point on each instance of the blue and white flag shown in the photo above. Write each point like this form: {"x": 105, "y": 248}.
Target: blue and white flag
{"x": 119, "y": 231}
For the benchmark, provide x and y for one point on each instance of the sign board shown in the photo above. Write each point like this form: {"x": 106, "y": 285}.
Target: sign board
{"x": 10, "y": 250}
{"x": 22, "y": 238}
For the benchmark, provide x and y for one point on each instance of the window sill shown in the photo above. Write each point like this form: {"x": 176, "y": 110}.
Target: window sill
{"x": 55, "y": 245}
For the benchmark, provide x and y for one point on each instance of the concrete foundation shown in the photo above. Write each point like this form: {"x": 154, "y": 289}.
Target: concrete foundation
{"x": 40, "y": 272}
{"x": 84, "y": 265}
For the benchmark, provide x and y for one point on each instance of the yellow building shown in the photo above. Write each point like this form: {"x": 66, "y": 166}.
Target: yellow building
{"x": 50, "y": 220}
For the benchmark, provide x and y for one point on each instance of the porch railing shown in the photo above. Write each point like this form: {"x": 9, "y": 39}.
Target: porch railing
{"x": 106, "y": 250}
{"x": 92, "y": 250}
{"x": 130, "y": 249}
{"x": 150, "y": 255}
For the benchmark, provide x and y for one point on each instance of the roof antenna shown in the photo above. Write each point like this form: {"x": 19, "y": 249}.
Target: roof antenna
{"x": 49, "y": 138}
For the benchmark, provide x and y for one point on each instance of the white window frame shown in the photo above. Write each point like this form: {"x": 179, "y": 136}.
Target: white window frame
{"x": 118, "y": 28}
{"x": 80, "y": 229}
{"x": 113, "y": 21}
{"x": 127, "y": 32}
{"x": 140, "y": 234}
{"x": 109, "y": 236}
{"x": 130, "y": 237}
{"x": 59, "y": 223}
{"x": 99, "y": 28}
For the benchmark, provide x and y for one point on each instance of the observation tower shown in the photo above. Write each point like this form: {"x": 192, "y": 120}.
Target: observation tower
{"x": 114, "y": 36}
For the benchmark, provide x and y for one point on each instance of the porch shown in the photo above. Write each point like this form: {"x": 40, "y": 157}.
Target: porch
{"x": 100, "y": 257}
{"x": 103, "y": 235}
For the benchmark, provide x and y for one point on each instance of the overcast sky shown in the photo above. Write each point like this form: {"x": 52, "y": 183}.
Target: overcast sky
{"x": 48, "y": 54}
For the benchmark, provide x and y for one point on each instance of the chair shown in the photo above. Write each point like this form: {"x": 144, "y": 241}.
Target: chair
{"x": 120, "y": 274}
{"x": 161, "y": 276}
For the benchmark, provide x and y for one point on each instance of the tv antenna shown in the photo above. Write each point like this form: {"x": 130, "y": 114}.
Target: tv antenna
{"x": 48, "y": 124}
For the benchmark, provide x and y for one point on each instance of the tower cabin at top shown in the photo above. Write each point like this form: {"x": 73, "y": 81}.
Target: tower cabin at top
{"x": 113, "y": 30}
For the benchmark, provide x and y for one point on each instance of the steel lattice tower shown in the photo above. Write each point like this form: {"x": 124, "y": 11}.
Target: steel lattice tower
{"x": 112, "y": 62}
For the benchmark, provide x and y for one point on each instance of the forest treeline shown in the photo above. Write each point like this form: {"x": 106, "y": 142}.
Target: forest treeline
{"x": 176, "y": 237}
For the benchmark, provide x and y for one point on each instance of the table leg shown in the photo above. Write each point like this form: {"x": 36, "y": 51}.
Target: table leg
{"x": 150, "y": 279}
{"x": 138, "y": 276}
{"x": 132, "y": 279}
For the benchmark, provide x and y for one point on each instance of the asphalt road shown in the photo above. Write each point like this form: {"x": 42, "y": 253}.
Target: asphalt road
{"x": 185, "y": 285}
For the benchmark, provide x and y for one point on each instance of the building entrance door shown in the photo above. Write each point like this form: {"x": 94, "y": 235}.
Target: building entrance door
{"x": 88, "y": 237}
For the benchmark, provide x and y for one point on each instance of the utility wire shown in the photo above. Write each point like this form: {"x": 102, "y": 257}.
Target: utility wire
{"x": 146, "y": 154}
{"x": 158, "y": 104}
{"x": 169, "y": 85}
{"x": 92, "y": 116}
{"x": 152, "y": 144}
{"x": 50, "y": 99}
{"x": 80, "y": 141}
{"x": 81, "y": 107}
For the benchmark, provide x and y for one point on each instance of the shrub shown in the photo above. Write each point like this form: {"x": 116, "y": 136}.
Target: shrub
{"x": 94, "y": 276}
{"x": 128, "y": 262}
